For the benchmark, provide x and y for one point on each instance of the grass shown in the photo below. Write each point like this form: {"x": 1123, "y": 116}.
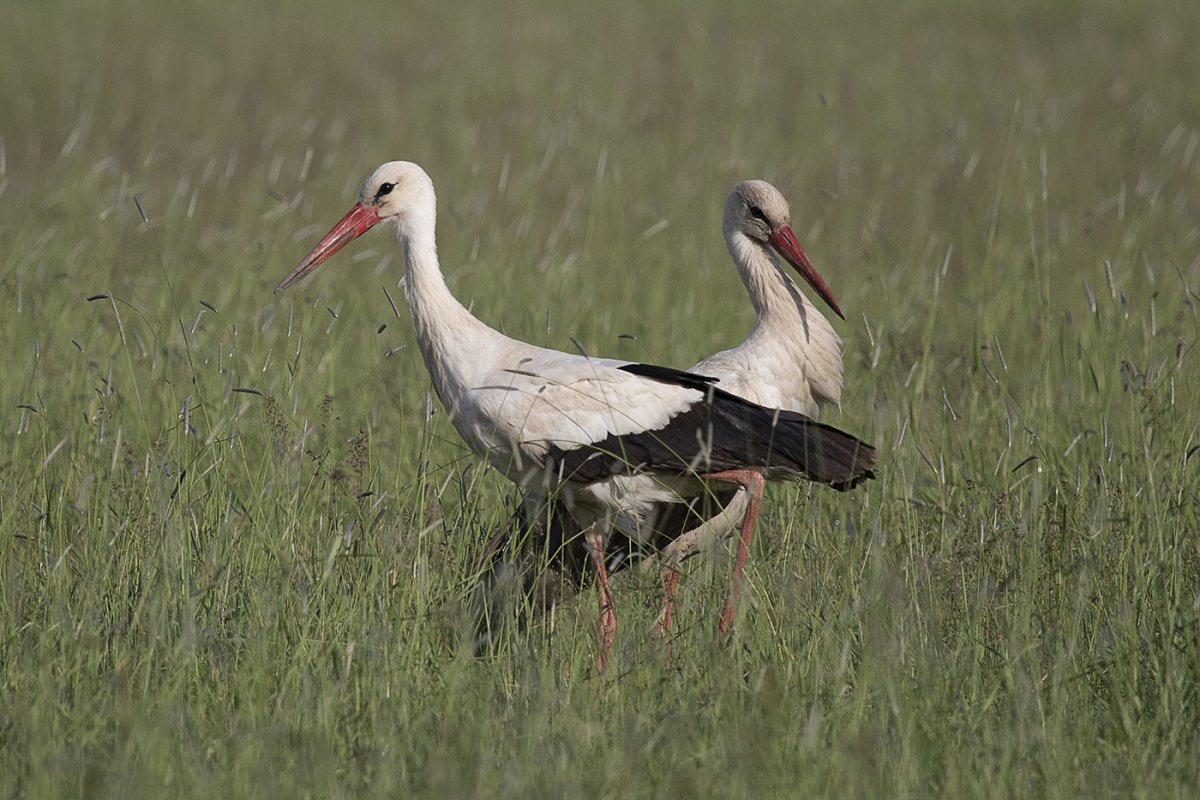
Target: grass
{"x": 236, "y": 534}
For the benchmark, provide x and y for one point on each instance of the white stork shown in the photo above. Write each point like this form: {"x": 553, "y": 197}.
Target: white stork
{"x": 613, "y": 438}
{"x": 792, "y": 360}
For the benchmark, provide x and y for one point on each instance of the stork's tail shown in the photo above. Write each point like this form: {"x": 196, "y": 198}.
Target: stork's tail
{"x": 799, "y": 446}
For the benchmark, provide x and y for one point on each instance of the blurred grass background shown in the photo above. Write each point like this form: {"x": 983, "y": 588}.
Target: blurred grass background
{"x": 236, "y": 533}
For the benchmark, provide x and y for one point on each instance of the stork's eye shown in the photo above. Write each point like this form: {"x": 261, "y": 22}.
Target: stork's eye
{"x": 758, "y": 214}
{"x": 385, "y": 189}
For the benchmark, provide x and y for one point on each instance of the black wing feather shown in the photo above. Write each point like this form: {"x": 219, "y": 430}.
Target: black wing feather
{"x": 722, "y": 431}
{"x": 670, "y": 375}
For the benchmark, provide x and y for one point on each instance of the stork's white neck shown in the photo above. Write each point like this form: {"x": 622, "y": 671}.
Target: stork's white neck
{"x": 775, "y": 296}
{"x": 793, "y": 357}
{"x": 452, "y": 341}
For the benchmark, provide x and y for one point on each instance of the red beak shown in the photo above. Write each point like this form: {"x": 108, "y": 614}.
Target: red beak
{"x": 357, "y": 221}
{"x": 784, "y": 241}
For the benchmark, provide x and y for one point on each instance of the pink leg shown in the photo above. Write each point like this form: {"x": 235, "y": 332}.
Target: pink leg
{"x": 670, "y": 582}
{"x": 754, "y": 484}
{"x": 608, "y": 617}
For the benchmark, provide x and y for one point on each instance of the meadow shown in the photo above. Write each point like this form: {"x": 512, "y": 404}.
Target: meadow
{"x": 238, "y": 534}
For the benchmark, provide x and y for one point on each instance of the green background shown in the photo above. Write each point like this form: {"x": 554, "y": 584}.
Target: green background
{"x": 237, "y": 535}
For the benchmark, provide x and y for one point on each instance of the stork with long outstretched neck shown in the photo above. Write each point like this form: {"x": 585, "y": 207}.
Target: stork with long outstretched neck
{"x": 612, "y": 438}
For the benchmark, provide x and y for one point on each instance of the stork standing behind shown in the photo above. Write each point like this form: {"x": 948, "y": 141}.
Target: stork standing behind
{"x": 612, "y": 438}
{"x": 792, "y": 360}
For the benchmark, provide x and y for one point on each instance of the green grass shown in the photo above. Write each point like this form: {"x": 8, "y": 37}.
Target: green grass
{"x": 213, "y": 592}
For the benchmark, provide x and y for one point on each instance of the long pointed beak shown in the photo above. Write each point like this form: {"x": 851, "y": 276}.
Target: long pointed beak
{"x": 784, "y": 241}
{"x": 357, "y": 221}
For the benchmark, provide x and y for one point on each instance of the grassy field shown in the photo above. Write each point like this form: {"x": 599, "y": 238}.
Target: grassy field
{"x": 237, "y": 534}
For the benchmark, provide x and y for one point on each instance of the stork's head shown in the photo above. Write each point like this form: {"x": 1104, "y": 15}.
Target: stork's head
{"x": 398, "y": 192}
{"x": 758, "y": 211}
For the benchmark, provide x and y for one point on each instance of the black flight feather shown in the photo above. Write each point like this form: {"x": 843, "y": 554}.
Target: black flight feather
{"x": 721, "y": 431}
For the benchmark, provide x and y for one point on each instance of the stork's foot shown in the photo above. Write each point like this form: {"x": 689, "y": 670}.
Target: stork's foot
{"x": 725, "y": 624}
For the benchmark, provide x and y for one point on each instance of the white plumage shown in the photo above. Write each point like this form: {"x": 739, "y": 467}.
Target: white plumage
{"x": 560, "y": 423}
{"x": 792, "y": 359}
